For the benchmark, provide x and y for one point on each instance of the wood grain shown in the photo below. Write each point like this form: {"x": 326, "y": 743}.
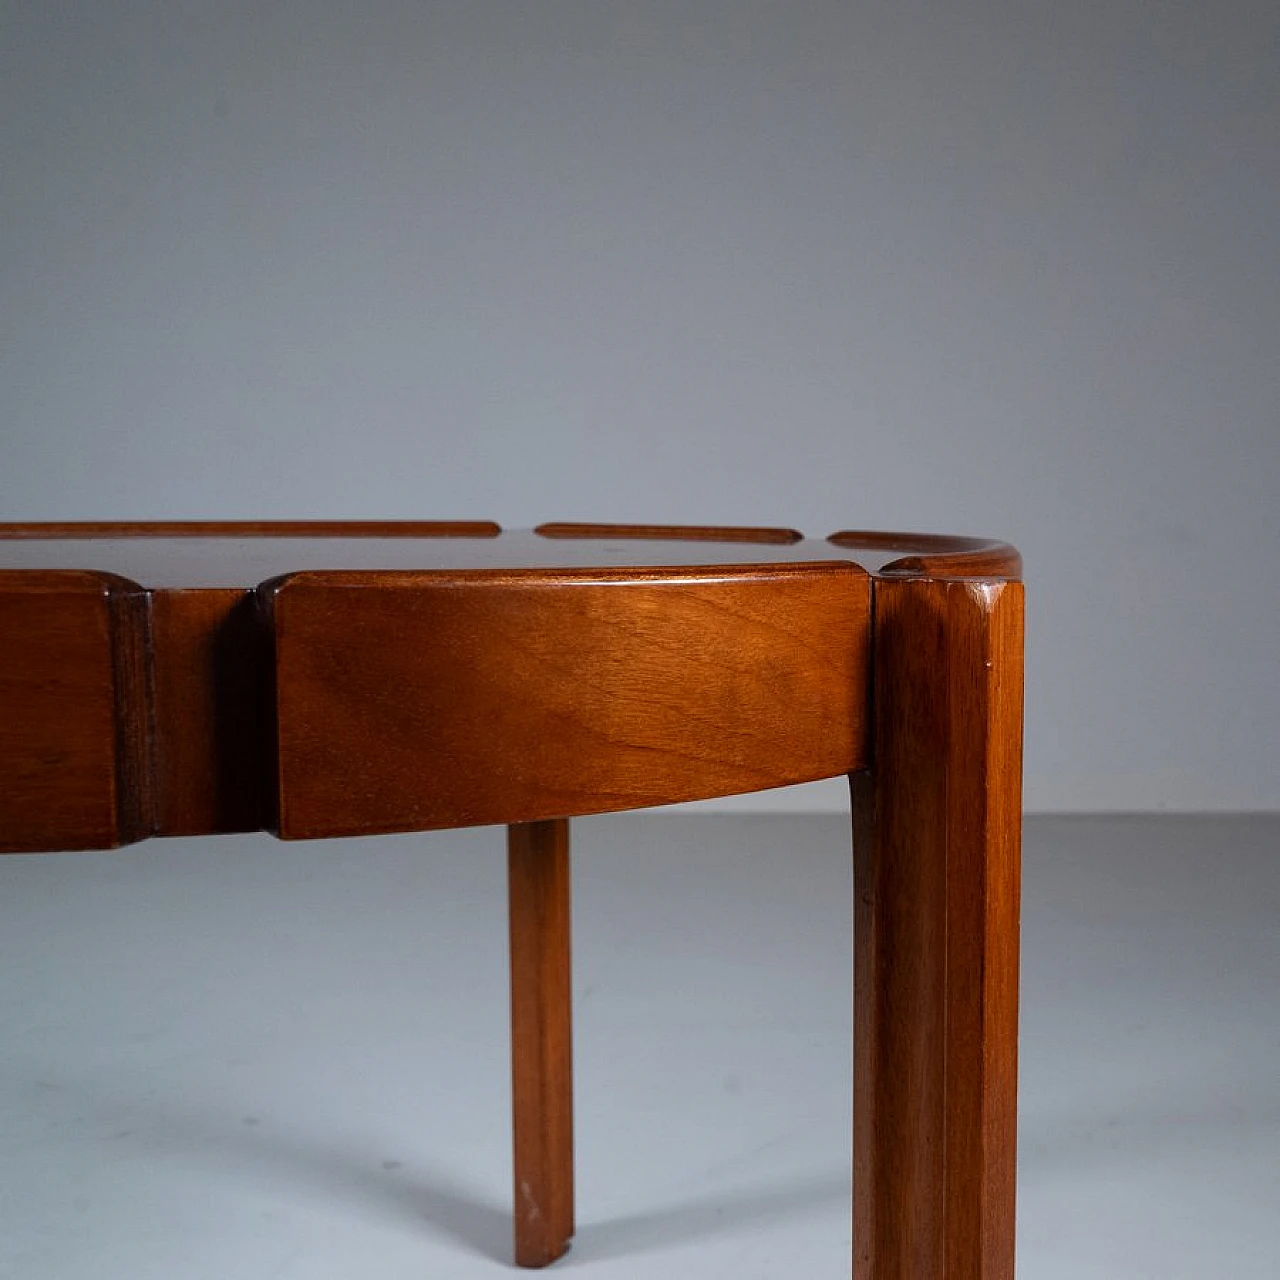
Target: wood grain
{"x": 936, "y": 843}
{"x": 334, "y": 703}
{"x": 414, "y": 701}
{"x": 74, "y": 712}
{"x": 541, "y": 1040}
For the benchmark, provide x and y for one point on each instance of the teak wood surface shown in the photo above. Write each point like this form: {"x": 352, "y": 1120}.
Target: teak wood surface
{"x": 323, "y": 679}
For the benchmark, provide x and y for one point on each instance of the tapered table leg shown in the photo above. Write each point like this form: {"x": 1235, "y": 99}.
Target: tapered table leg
{"x": 541, "y": 1055}
{"x": 936, "y": 840}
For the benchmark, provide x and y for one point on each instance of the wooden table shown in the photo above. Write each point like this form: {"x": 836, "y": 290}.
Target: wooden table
{"x": 340, "y": 679}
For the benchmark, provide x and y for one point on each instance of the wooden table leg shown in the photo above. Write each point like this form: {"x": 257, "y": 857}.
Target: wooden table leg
{"x": 541, "y": 1053}
{"x": 937, "y": 825}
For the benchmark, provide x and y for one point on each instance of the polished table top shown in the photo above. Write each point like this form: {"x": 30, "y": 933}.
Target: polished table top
{"x": 193, "y": 555}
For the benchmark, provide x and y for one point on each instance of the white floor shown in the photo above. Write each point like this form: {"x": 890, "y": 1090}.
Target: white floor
{"x": 239, "y": 1059}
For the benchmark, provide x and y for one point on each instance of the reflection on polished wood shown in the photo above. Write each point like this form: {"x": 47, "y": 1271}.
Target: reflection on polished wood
{"x": 933, "y": 555}
{"x": 321, "y": 679}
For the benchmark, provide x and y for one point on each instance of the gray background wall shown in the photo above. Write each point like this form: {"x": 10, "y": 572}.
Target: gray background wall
{"x": 992, "y": 268}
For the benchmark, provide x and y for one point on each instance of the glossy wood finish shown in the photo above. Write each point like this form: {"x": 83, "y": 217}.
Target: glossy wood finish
{"x": 74, "y": 705}
{"x": 937, "y": 834}
{"x": 437, "y": 675}
{"x": 671, "y": 532}
{"x": 541, "y": 1053}
{"x": 932, "y": 555}
{"x": 240, "y": 555}
{"x": 414, "y": 701}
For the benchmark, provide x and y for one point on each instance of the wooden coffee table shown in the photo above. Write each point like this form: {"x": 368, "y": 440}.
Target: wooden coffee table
{"x": 321, "y": 679}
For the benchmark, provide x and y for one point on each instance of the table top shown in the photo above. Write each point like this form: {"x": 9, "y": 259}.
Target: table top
{"x": 222, "y": 554}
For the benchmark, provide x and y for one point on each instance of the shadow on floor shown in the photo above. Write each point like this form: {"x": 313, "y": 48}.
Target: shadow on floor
{"x": 249, "y": 1149}
{"x": 712, "y": 1214}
